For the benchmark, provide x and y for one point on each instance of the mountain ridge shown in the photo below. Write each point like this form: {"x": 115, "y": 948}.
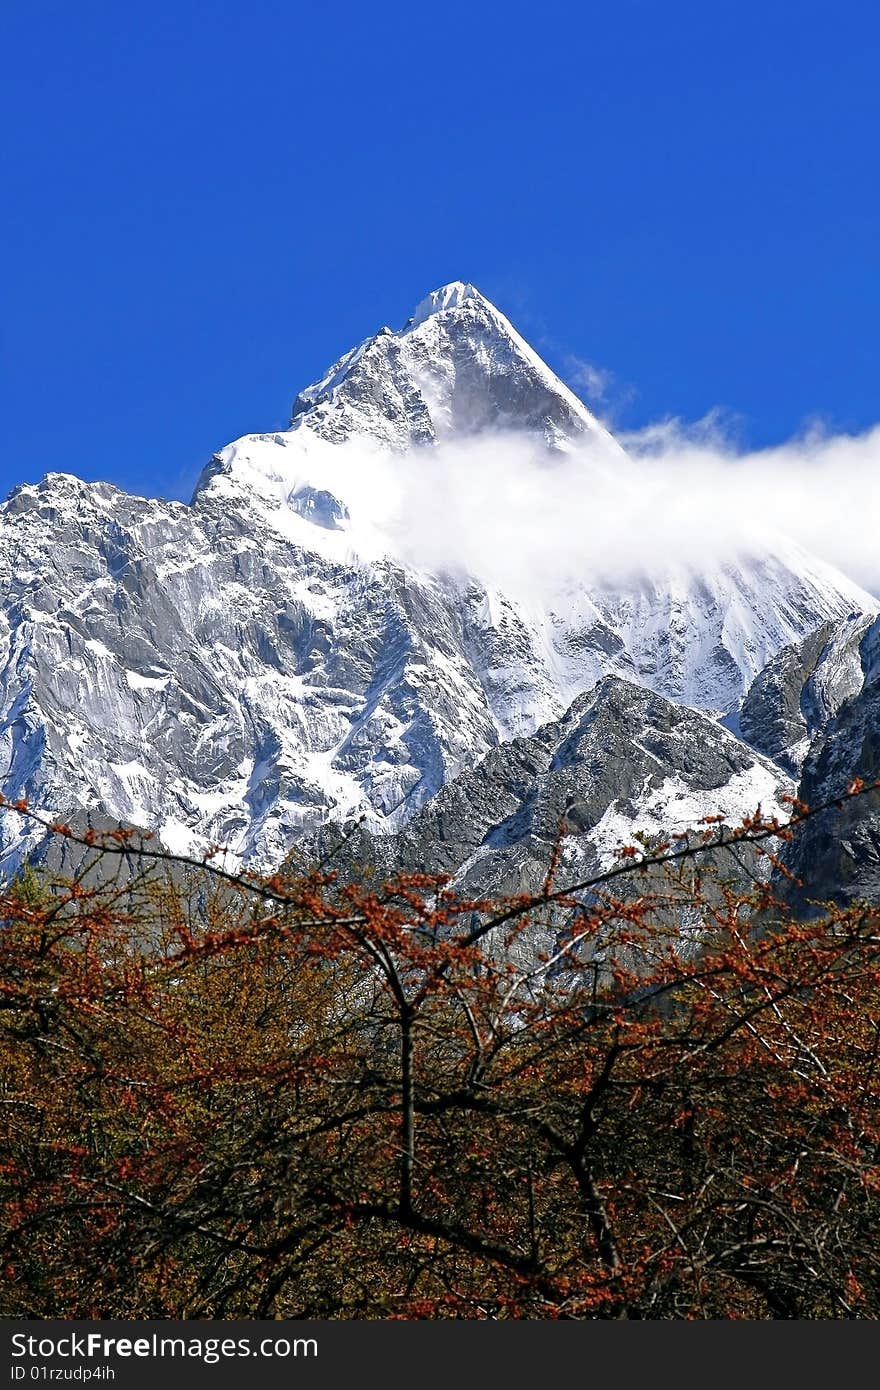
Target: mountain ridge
{"x": 243, "y": 669}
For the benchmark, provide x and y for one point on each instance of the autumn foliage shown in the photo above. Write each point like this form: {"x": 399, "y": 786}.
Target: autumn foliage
{"x": 291, "y": 1097}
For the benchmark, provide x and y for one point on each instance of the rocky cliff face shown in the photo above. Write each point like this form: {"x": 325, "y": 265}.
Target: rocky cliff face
{"x": 243, "y": 669}
{"x": 837, "y": 855}
{"x": 801, "y": 689}
{"x": 815, "y": 710}
{"x": 191, "y": 671}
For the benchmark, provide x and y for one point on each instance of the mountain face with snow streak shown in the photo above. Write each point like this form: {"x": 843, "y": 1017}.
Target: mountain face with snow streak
{"x": 815, "y": 710}
{"x": 243, "y": 669}
{"x": 621, "y": 762}
{"x": 801, "y": 689}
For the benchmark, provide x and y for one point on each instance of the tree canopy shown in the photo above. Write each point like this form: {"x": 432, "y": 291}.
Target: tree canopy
{"x": 230, "y": 1096}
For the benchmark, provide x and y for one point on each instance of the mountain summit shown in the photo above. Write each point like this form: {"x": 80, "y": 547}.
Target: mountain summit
{"x": 450, "y": 296}
{"x": 457, "y": 367}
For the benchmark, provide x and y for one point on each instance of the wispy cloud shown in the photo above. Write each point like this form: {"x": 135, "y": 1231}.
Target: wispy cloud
{"x": 598, "y": 387}
{"x": 591, "y": 382}
{"x": 719, "y": 431}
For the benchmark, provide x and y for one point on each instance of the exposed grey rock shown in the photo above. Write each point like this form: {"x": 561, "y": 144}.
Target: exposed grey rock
{"x": 837, "y": 854}
{"x": 319, "y": 506}
{"x": 189, "y": 671}
{"x": 800, "y": 690}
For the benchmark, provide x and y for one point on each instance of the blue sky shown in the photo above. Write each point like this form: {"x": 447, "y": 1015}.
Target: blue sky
{"x": 207, "y": 203}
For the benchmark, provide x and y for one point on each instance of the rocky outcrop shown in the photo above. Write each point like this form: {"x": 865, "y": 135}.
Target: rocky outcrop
{"x": 622, "y": 765}
{"x": 801, "y": 689}
{"x": 837, "y": 854}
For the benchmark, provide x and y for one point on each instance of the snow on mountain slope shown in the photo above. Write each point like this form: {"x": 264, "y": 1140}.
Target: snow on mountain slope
{"x": 244, "y": 668}
{"x": 701, "y": 636}
{"x": 191, "y": 673}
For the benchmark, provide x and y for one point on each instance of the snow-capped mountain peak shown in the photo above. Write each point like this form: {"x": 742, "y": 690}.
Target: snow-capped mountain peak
{"x": 450, "y": 296}
{"x": 339, "y": 481}
{"x": 456, "y": 368}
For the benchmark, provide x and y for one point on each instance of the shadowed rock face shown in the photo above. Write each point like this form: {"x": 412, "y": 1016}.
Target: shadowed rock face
{"x": 815, "y": 709}
{"x": 838, "y": 854}
{"x": 238, "y": 672}
{"x": 802, "y": 688}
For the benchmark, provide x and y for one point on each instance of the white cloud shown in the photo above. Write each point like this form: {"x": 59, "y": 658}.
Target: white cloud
{"x": 502, "y": 508}
{"x": 822, "y": 490}
{"x": 507, "y": 511}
